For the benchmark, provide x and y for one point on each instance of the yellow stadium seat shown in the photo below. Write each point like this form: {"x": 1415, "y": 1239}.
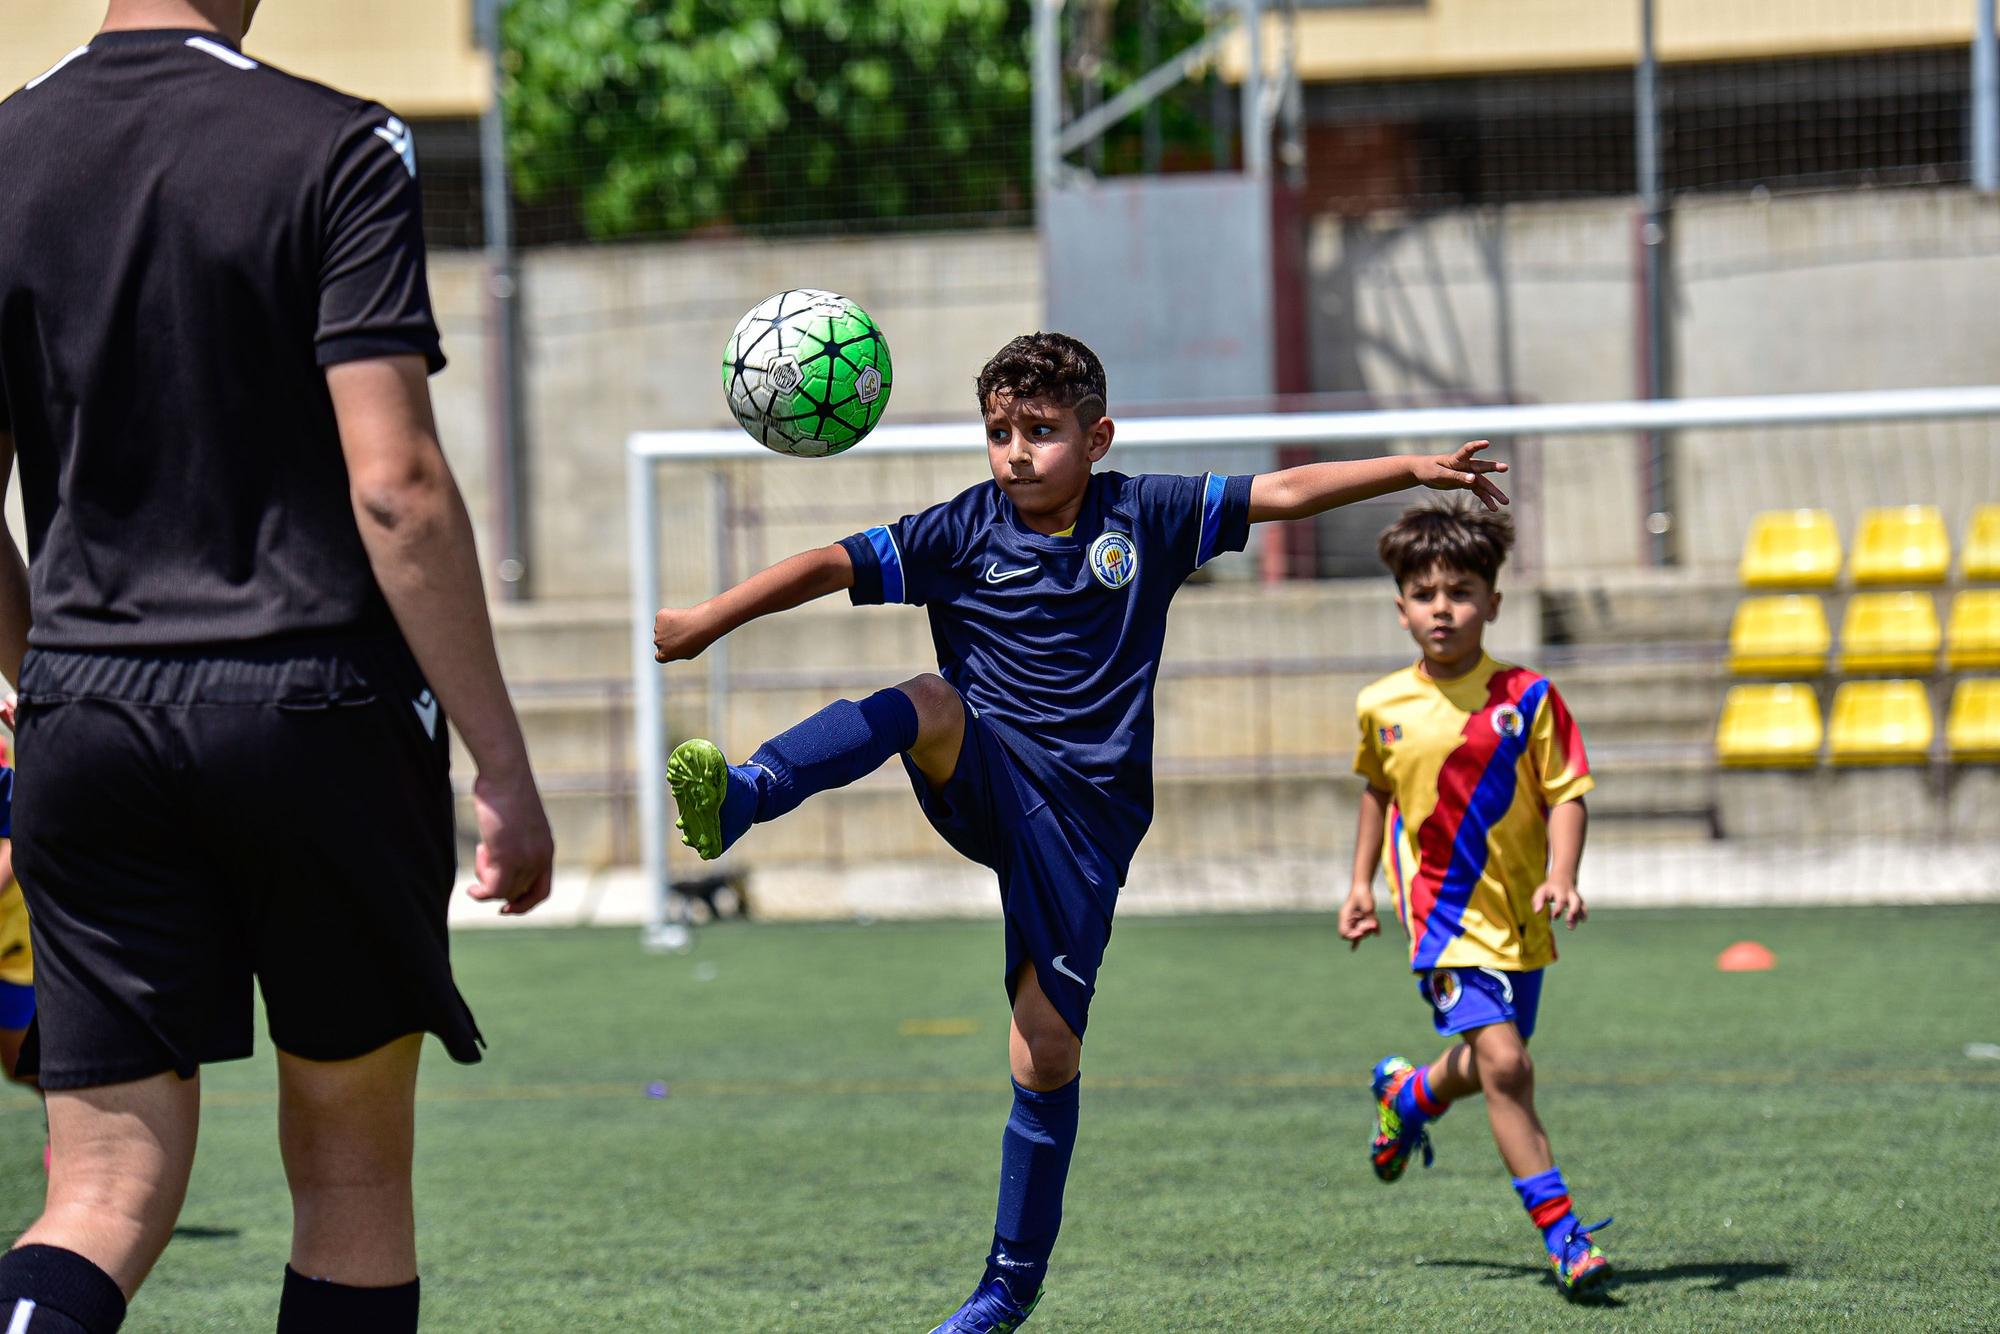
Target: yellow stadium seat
{"x": 1890, "y": 632}
{"x": 1906, "y": 544}
{"x": 1768, "y": 726}
{"x": 1779, "y": 636}
{"x": 1972, "y": 632}
{"x": 1881, "y": 722}
{"x": 1972, "y": 729}
{"x": 1791, "y": 549}
{"x": 1982, "y": 545}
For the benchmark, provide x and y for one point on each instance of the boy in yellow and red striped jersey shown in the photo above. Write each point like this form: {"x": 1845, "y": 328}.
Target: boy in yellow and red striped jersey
{"x": 1476, "y": 776}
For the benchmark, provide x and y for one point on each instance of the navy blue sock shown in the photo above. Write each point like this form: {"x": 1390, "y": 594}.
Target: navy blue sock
{"x": 842, "y": 742}
{"x": 320, "y": 1306}
{"x": 1034, "y": 1166}
{"x": 1546, "y": 1199}
{"x": 48, "y": 1290}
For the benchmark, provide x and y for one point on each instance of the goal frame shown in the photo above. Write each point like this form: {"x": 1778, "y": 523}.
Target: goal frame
{"x": 667, "y": 928}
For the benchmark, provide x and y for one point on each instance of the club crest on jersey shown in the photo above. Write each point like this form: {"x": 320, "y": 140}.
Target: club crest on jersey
{"x": 1507, "y": 721}
{"x": 1390, "y": 735}
{"x": 1445, "y": 989}
{"x": 1114, "y": 560}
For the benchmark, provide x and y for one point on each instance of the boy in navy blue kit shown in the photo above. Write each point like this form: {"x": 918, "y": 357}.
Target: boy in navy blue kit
{"x": 1031, "y": 750}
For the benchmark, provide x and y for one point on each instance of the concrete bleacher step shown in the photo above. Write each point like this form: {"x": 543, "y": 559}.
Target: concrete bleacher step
{"x": 1638, "y": 607}
{"x": 1304, "y": 809}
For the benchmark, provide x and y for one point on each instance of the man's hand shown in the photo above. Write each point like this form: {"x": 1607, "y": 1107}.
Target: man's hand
{"x": 681, "y": 634}
{"x": 1357, "y": 917}
{"x": 10, "y": 709}
{"x": 1463, "y": 470}
{"x": 1560, "y": 899}
{"x": 516, "y": 849}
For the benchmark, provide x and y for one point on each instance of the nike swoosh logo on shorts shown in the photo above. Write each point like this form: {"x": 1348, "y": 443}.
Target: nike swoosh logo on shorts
{"x": 996, "y": 575}
{"x": 1057, "y": 964}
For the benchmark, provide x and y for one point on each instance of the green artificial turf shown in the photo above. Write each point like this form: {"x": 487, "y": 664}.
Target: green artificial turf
{"x": 1788, "y": 1150}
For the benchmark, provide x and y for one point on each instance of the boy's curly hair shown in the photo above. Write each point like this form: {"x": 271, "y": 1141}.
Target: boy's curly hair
{"x": 1458, "y": 537}
{"x": 1051, "y": 366}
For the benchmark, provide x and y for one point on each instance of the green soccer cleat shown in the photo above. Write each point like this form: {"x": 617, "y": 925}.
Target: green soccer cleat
{"x": 699, "y": 776}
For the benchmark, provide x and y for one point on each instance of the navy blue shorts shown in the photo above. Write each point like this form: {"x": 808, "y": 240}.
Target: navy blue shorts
{"x": 1462, "y": 999}
{"x": 1053, "y": 881}
{"x": 17, "y": 1005}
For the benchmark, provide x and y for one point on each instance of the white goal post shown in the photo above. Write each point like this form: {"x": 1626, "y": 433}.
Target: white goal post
{"x": 646, "y": 450}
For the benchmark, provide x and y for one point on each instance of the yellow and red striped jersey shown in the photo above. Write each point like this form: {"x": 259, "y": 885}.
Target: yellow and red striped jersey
{"x": 1472, "y": 766}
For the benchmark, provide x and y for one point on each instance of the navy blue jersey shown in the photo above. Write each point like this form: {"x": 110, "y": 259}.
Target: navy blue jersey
{"x": 1056, "y": 640}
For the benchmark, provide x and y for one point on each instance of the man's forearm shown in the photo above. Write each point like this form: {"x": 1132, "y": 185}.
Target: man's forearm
{"x": 419, "y": 542}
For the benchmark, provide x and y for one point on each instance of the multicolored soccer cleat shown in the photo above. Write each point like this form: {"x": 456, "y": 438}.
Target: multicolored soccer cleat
{"x": 991, "y": 1309}
{"x": 1389, "y": 1152}
{"x": 699, "y": 776}
{"x": 1580, "y": 1267}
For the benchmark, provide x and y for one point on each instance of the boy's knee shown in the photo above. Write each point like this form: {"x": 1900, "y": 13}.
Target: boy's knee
{"x": 933, "y": 696}
{"x": 1509, "y": 1070}
{"x": 1053, "y": 1059}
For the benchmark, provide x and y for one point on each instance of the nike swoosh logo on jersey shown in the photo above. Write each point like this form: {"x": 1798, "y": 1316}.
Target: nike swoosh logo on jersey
{"x": 1057, "y": 964}
{"x": 996, "y": 575}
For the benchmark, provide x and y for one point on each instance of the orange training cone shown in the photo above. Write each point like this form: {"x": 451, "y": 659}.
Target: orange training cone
{"x": 1746, "y": 956}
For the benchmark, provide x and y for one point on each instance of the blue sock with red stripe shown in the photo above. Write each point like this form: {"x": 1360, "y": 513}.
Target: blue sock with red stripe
{"x": 1546, "y": 1199}
{"x": 843, "y": 742}
{"x": 1416, "y": 1104}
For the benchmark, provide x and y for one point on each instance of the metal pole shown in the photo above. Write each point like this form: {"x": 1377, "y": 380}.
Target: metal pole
{"x": 1048, "y": 95}
{"x": 663, "y": 931}
{"x": 1256, "y": 132}
{"x": 503, "y": 355}
{"x": 1985, "y": 103}
{"x": 1152, "y": 139}
{"x": 1655, "y": 328}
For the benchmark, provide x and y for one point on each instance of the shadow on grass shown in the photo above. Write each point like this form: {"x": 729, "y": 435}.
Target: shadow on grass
{"x": 1721, "y": 1277}
{"x": 195, "y": 1232}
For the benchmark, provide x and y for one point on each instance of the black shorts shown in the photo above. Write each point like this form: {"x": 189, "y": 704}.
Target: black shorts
{"x": 185, "y": 821}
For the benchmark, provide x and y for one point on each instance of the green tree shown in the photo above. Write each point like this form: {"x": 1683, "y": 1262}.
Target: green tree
{"x": 659, "y": 116}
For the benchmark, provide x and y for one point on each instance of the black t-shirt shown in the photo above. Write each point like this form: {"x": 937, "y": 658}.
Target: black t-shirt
{"x": 188, "y": 238}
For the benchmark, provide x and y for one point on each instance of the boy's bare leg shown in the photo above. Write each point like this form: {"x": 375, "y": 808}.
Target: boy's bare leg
{"x": 1042, "y": 1051}
{"x": 10, "y": 1053}
{"x": 1494, "y": 1060}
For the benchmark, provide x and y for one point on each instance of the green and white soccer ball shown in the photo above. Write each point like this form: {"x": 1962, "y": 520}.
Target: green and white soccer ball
{"x": 806, "y": 373}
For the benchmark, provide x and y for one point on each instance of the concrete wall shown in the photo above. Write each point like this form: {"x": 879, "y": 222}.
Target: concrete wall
{"x": 627, "y": 338}
{"x": 1855, "y": 290}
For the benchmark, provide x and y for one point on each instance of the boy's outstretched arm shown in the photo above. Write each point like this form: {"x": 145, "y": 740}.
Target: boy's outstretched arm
{"x": 1568, "y": 822}
{"x": 1357, "y": 914}
{"x": 686, "y": 632}
{"x": 1313, "y": 488}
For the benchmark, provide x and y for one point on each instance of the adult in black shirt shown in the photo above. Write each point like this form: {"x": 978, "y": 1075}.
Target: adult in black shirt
{"x": 249, "y": 570}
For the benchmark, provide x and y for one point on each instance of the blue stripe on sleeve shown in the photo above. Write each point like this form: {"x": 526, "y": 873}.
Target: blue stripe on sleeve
{"x": 891, "y": 561}
{"x": 1211, "y": 518}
